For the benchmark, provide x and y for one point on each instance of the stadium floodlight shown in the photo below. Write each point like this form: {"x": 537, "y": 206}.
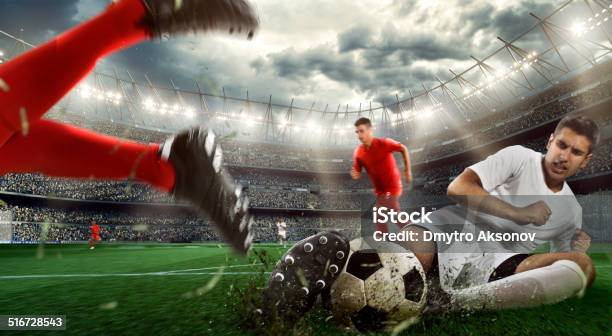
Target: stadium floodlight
{"x": 581, "y": 28}
{"x": 426, "y": 113}
{"x": 149, "y": 104}
{"x": 85, "y": 91}
{"x": 311, "y": 125}
{"x": 189, "y": 113}
{"x": 578, "y": 28}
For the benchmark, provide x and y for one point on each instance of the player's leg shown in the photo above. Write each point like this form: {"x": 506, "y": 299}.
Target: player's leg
{"x": 558, "y": 276}
{"x": 33, "y": 82}
{"x": 36, "y": 80}
{"x": 424, "y": 250}
{"x": 61, "y": 150}
{"x": 545, "y": 259}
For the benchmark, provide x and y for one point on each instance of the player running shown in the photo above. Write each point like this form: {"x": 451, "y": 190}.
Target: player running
{"x": 94, "y": 229}
{"x": 496, "y": 275}
{"x": 281, "y": 227}
{"x": 376, "y": 156}
{"x": 188, "y": 165}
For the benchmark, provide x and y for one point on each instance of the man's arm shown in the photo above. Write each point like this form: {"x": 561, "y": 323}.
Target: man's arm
{"x": 407, "y": 169}
{"x": 468, "y": 191}
{"x": 356, "y": 168}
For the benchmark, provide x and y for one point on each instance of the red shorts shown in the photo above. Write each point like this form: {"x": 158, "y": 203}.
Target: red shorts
{"x": 95, "y": 237}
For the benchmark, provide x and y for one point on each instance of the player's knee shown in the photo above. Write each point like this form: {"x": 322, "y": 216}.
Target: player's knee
{"x": 583, "y": 260}
{"x": 585, "y": 263}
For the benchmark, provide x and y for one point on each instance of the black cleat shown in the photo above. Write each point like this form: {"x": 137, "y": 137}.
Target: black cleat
{"x": 308, "y": 269}
{"x": 202, "y": 181}
{"x": 183, "y": 16}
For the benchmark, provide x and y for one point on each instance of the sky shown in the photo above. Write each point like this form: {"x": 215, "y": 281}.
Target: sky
{"x": 323, "y": 51}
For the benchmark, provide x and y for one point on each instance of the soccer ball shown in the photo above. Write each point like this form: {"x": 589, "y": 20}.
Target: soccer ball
{"x": 379, "y": 287}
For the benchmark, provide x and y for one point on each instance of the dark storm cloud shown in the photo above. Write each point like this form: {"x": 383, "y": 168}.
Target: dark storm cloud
{"x": 374, "y": 58}
{"x": 358, "y": 37}
{"x": 322, "y": 59}
{"x": 345, "y": 69}
{"x": 373, "y": 66}
{"x": 420, "y": 46}
{"x": 513, "y": 21}
{"x": 38, "y": 18}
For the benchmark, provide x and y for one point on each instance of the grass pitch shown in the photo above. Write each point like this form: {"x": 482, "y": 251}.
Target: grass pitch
{"x": 158, "y": 289}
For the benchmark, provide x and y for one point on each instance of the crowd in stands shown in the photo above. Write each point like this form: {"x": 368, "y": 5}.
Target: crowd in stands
{"x": 522, "y": 121}
{"x": 540, "y": 108}
{"x": 591, "y": 86}
{"x": 36, "y": 223}
{"x": 267, "y": 190}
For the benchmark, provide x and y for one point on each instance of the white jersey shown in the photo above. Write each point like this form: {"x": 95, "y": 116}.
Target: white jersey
{"x": 282, "y": 229}
{"x": 515, "y": 175}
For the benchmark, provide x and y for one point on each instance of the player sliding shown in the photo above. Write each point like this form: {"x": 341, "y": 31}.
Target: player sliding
{"x": 376, "y": 156}
{"x": 187, "y": 165}
{"x": 496, "y": 276}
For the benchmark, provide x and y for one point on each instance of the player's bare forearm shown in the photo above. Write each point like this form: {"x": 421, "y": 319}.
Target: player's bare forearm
{"x": 467, "y": 190}
{"x": 407, "y": 169}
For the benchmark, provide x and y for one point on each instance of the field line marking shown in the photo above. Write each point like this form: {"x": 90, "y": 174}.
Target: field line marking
{"x": 100, "y": 275}
{"x": 213, "y": 267}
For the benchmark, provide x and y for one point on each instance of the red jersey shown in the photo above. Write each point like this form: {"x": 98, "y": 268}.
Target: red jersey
{"x": 95, "y": 229}
{"x": 380, "y": 165}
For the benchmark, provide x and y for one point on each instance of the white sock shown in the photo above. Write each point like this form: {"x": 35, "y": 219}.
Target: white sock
{"x": 551, "y": 284}
{"x": 165, "y": 148}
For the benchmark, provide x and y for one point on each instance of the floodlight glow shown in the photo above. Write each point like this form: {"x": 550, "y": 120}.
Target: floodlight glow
{"x": 85, "y": 91}
{"x": 426, "y": 113}
{"x": 311, "y": 125}
{"x": 149, "y": 104}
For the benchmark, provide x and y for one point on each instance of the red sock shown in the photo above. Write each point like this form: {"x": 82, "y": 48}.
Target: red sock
{"x": 35, "y": 81}
{"x": 61, "y": 150}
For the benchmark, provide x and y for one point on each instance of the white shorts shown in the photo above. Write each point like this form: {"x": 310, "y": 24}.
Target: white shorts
{"x": 463, "y": 264}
